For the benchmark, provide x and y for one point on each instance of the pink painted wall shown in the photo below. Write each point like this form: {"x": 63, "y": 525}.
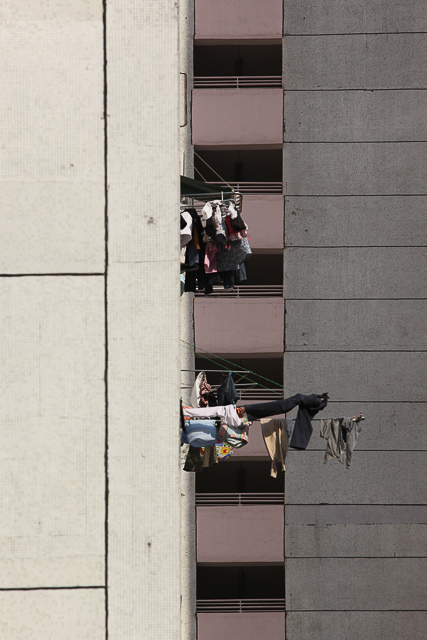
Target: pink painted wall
{"x": 223, "y": 117}
{"x": 256, "y": 446}
{"x": 237, "y": 626}
{"x": 249, "y": 533}
{"x": 240, "y": 19}
{"x": 239, "y": 325}
{"x": 264, "y": 216}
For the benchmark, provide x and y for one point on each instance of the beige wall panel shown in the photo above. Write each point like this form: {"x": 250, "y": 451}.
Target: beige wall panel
{"x": 52, "y": 615}
{"x": 52, "y": 417}
{"x": 67, "y": 236}
{"x": 52, "y": 158}
{"x": 55, "y": 10}
{"x": 143, "y": 320}
{"x": 144, "y": 468}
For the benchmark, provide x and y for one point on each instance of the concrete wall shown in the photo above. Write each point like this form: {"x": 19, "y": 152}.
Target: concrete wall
{"x": 238, "y": 20}
{"x": 188, "y": 481}
{"x": 264, "y": 216}
{"x": 239, "y": 325}
{"x": 354, "y": 281}
{"x": 258, "y": 530}
{"x": 251, "y": 626}
{"x": 243, "y": 117}
{"x": 89, "y": 542}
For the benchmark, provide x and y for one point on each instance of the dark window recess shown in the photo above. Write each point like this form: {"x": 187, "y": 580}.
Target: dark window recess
{"x": 238, "y": 60}
{"x": 270, "y": 368}
{"x": 264, "y": 269}
{"x": 240, "y": 582}
{"x": 233, "y": 476}
{"x": 241, "y": 166}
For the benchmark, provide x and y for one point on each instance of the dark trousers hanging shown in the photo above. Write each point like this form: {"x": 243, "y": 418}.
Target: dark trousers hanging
{"x": 308, "y": 407}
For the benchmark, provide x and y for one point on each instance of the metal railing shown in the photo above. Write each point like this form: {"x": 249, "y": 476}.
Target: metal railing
{"x": 252, "y": 187}
{"x": 241, "y": 606}
{"x": 247, "y": 291}
{"x": 236, "y": 82}
{"x": 253, "y": 395}
{"x": 223, "y": 499}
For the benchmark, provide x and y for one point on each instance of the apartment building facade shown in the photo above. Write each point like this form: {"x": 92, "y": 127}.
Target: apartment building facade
{"x": 316, "y": 113}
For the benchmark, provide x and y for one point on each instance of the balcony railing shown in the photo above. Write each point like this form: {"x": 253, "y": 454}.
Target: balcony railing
{"x": 255, "y": 394}
{"x": 236, "y": 82}
{"x": 223, "y": 499}
{"x": 252, "y": 187}
{"x": 247, "y": 291}
{"x": 240, "y": 606}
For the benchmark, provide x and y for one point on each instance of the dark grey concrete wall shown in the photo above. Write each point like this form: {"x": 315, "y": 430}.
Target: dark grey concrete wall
{"x": 355, "y": 175}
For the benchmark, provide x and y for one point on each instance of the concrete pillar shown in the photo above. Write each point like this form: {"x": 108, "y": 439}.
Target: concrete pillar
{"x": 188, "y": 509}
{"x": 143, "y": 326}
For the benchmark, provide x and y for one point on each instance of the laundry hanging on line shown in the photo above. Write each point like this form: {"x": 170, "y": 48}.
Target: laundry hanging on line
{"x": 341, "y": 435}
{"x": 309, "y": 406}
{"x": 214, "y": 246}
{"x": 210, "y": 444}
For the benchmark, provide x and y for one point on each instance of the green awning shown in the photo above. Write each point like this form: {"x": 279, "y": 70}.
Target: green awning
{"x": 202, "y": 190}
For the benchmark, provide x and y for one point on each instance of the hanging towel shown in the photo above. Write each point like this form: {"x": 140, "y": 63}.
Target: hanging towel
{"x": 275, "y": 436}
{"x": 200, "y": 433}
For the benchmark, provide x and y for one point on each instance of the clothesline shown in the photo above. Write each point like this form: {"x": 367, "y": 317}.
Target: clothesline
{"x": 279, "y": 395}
{"x": 198, "y": 349}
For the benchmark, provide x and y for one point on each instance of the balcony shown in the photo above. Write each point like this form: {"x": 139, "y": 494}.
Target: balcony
{"x": 262, "y": 625}
{"x": 254, "y": 605}
{"x": 238, "y": 117}
{"x": 238, "y": 21}
{"x": 238, "y": 499}
{"x": 240, "y": 325}
{"x": 237, "y": 82}
{"x": 257, "y": 528}
{"x": 247, "y": 291}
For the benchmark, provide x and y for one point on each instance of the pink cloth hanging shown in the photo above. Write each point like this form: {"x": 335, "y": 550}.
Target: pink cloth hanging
{"x": 210, "y": 257}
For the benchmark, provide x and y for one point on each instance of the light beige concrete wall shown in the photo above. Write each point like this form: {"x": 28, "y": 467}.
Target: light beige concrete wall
{"x": 143, "y": 320}
{"x": 52, "y": 409}
{"x": 70, "y": 423}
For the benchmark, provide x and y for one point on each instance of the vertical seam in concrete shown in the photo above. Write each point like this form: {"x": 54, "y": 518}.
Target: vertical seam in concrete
{"x": 104, "y": 20}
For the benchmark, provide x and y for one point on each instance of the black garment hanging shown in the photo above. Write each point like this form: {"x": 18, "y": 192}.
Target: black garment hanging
{"x": 226, "y": 392}
{"x": 308, "y": 407}
{"x": 197, "y": 276}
